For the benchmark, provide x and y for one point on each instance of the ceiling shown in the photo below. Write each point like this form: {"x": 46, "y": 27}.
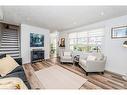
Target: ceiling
{"x": 60, "y": 17}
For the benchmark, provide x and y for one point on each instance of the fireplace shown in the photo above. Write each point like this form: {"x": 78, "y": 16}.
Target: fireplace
{"x": 37, "y": 55}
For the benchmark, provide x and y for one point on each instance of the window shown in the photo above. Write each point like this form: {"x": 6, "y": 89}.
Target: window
{"x": 87, "y": 40}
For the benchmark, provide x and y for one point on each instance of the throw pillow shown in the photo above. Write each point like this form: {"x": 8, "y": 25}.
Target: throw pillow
{"x": 7, "y": 64}
{"x": 91, "y": 58}
{"x": 2, "y": 56}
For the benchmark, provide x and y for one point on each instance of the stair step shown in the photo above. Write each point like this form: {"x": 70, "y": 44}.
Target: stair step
{"x": 1, "y": 48}
{"x": 9, "y": 38}
{"x": 12, "y": 43}
{"x": 6, "y": 39}
{"x": 14, "y": 55}
{"x": 9, "y": 35}
{"x": 10, "y": 31}
{"x": 9, "y": 41}
{"x": 9, "y": 47}
{"x": 6, "y": 33}
{"x": 9, "y": 52}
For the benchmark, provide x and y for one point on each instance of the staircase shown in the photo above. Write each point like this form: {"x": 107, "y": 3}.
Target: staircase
{"x": 10, "y": 43}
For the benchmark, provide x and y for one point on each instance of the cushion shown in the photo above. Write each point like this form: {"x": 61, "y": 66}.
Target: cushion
{"x": 12, "y": 83}
{"x": 7, "y": 64}
{"x": 20, "y": 75}
{"x": 99, "y": 56}
{"x": 67, "y": 53}
{"x": 17, "y": 69}
{"x": 66, "y": 57}
{"x": 2, "y": 56}
{"x": 91, "y": 58}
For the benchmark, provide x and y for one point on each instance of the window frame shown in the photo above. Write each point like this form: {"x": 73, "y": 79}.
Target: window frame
{"x": 87, "y": 42}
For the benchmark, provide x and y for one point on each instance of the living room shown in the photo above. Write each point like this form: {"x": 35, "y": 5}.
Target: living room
{"x": 84, "y": 49}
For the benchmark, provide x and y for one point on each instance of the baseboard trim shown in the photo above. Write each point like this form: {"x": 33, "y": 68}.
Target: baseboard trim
{"x": 115, "y": 74}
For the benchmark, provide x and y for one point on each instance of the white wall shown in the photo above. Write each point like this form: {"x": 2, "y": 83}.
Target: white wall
{"x": 25, "y": 41}
{"x": 1, "y": 13}
{"x": 116, "y": 54}
{"x": 0, "y": 33}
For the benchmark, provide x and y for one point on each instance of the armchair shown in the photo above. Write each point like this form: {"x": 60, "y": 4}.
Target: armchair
{"x": 97, "y": 65}
{"x": 66, "y": 57}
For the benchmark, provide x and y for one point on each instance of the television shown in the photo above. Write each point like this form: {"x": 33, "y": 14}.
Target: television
{"x": 36, "y": 40}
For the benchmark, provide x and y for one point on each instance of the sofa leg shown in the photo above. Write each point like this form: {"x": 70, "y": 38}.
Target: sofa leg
{"x": 86, "y": 73}
{"x": 102, "y": 73}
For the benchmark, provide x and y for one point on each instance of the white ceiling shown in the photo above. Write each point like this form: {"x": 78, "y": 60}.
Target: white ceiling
{"x": 60, "y": 17}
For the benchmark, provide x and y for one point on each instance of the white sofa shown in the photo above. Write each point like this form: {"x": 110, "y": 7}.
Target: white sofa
{"x": 66, "y": 57}
{"x": 95, "y": 65}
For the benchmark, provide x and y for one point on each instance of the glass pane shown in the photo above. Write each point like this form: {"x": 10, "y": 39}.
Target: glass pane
{"x": 92, "y": 40}
{"x": 71, "y": 47}
{"x": 73, "y": 41}
{"x": 82, "y": 40}
{"x": 97, "y": 32}
{"x": 81, "y": 34}
{"x": 73, "y": 35}
{"x": 87, "y": 40}
{"x": 95, "y": 48}
{"x": 95, "y": 40}
{"x": 81, "y": 47}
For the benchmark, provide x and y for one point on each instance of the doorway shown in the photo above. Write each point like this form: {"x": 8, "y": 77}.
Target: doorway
{"x": 54, "y": 45}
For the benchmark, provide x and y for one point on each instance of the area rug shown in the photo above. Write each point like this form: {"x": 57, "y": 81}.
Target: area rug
{"x": 56, "y": 77}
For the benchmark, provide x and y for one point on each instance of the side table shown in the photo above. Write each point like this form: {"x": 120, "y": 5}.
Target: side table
{"x": 76, "y": 60}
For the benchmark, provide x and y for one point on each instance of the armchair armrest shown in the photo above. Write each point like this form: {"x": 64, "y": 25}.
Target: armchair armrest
{"x": 18, "y": 60}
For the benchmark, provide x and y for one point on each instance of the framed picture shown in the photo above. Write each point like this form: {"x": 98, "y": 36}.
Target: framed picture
{"x": 119, "y": 32}
{"x": 62, "y": 42}
{"x": 36, "y": 40}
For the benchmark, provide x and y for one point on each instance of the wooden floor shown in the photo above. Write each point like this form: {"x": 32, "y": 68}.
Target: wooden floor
{"x": 95, "y": 80}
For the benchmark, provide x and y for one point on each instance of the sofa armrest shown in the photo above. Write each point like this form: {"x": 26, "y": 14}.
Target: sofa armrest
{"x": 95, "y": 65}
{"x": 19, "y": 61}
